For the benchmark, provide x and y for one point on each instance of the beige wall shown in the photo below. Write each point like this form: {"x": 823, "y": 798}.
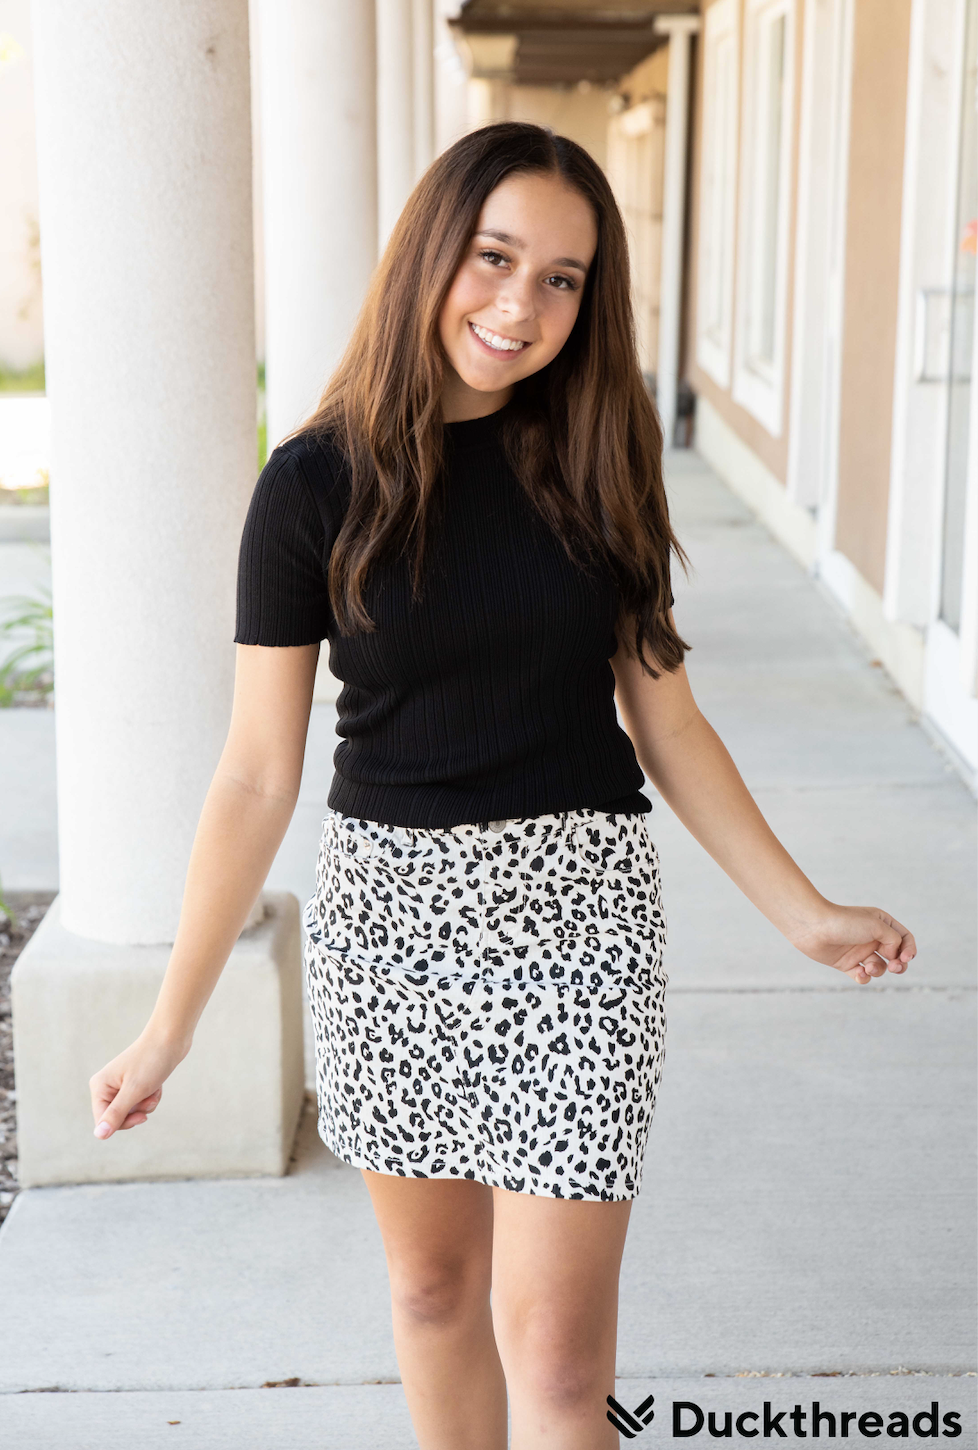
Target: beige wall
{"x": 773, "y": 452}
{"x": 21, "y": 319}
{"x": 872, "y": 260}
{"x": 581, "y": 115}
{"x": 649, "y": 78}
{"x": 879, "y": 92}
{"x": 636, "y": 170}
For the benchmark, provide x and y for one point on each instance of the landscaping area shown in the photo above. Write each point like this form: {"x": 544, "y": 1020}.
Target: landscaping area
{"x": 20, "y": 915}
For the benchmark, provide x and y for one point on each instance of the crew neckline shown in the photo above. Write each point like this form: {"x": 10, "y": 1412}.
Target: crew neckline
{"x": 464, "y": 432}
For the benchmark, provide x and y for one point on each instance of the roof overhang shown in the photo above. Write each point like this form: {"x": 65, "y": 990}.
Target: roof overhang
{"x": 563, "y": 43}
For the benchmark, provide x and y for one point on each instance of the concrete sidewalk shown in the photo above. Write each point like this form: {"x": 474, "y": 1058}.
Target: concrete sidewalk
{"x": 808, "y": 1204}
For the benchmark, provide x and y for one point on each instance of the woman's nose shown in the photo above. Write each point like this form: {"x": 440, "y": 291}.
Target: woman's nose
{"x": 515, "y": 299}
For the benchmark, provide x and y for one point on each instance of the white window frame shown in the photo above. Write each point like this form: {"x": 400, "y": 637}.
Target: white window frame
{"x": 718, "y": 190}
{"x": 758, "y": 384}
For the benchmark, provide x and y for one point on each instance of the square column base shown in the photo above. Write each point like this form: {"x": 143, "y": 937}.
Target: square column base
{"x": 230, "y": 1109}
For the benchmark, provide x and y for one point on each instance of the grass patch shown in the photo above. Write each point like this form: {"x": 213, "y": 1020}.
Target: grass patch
{"x": 23, "y": 380}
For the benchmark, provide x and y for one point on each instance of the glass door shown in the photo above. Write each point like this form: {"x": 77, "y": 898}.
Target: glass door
{"x": 962, "y": 331}
{"x": 949, "y": 698}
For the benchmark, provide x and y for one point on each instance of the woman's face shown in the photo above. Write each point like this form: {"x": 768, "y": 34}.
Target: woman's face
{"x": 520, "y": 281}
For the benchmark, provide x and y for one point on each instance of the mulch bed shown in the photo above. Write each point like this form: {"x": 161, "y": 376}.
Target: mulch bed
{"x": 29, "y": 908}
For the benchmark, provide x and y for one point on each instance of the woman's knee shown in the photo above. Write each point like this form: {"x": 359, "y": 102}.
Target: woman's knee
{"x": 563, "y": 1376}
{"x": 439, "y": 1291}
{"x": 560, "y": 1363}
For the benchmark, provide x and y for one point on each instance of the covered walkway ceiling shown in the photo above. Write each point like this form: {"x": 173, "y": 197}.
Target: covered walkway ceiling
{"x": 543, "y": 44}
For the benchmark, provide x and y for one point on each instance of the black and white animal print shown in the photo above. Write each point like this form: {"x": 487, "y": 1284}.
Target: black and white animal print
{"x": 489, "y": 1000}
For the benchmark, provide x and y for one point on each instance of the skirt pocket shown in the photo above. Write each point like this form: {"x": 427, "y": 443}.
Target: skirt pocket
{"x": 395, "y": 898}
{"x": 503, "y": 892}
{"x": 574, "y": 884}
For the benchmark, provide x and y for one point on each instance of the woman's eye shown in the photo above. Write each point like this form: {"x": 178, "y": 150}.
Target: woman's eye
{"x": 488, "y": 252}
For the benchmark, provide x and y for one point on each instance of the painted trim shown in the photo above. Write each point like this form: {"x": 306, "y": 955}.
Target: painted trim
{"x": 968, "y": 663}
{"x": 740, "y": 468}
{"x": 953, "y": 712}
{"x": 713, "y": 348}
{"x": 759, "y": 387}
{"x": 673, "y": 221}
{"x": 821, "y": 163}
{"x": 899, "y": 647}
{"x": 828, "y": 504}
{"x": 926, "y": 227}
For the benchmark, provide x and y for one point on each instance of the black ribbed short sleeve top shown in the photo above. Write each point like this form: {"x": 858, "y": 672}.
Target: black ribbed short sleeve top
{"x": 492, "y": 696}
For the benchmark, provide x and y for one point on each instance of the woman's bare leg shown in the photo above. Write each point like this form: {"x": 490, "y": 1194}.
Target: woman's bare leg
{"x": 437, "y": 1237}
{"x": 555, "y": 1273}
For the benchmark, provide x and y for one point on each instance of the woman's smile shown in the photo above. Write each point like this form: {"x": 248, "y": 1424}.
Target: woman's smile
{"x": 496, "y": 342}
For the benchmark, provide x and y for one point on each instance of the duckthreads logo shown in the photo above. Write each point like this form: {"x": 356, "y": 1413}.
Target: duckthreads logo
{"x": 631, "y": 1422}
{"x": 688, "y": 1419}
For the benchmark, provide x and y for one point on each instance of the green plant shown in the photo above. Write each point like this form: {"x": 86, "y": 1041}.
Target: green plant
{"x": 23, "y": 380}
{"x": 36, "y": 616}
{"x": 262, "y": 419}
{"x": 38, "y": 493}
{"x": 7, "y": 909}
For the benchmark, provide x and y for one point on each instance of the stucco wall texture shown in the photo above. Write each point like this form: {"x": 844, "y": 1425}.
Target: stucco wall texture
{"x": 881, "y": 41}
{"x": 881, "y": 54}
{"x": 772, "y": 451}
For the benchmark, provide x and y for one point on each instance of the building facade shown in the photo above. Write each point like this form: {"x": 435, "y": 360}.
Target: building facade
{"x": 801, "y": 207}
{"x": 830, "y": 321}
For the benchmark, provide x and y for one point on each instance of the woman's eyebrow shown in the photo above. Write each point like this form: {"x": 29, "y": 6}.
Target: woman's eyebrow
{"x": 511, "y": 241}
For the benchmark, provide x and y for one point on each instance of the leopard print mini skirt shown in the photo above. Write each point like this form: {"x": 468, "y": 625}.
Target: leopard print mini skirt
{"x": 488, "y": 1000}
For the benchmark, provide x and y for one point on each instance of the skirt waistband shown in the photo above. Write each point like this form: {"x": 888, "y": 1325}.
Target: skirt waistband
{"x": 550, "y": 827}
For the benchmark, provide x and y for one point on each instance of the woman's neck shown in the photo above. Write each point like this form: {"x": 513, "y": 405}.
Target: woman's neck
{"x": 459, "y": 402}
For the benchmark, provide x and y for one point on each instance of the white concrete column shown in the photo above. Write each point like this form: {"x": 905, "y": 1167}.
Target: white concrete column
{"x": 395, "y": 111}
{"x": 144, "y": 163}
{"x": 319, "y": 175}
{"x": 487, "y": 100}
{"x": 144, "y": 152}
{"x": 450, "y": 80}
{"x": 679, "y": 28}
{"x": 424, "y": 87}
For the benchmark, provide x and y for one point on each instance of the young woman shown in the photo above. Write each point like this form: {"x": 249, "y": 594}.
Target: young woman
{"x": 475, "y": 519}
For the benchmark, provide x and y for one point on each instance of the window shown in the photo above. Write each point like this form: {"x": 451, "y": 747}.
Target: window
{"x": 718, "y": 171}
{"x": 763, "y": 242}
{"x": 635, "y": 167}
{"x": 959, "y": 381}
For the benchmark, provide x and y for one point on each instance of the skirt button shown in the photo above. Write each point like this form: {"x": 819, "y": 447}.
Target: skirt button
{"x": 497, "y": 825}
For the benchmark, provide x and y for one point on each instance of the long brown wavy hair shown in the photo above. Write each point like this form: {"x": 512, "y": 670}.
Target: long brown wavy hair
{"x": 582, "y": 435}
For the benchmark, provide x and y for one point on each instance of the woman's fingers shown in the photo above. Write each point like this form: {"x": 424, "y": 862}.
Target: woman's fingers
{"x": 896, "y": 947}
{"x": 113, "y": 1114}
{"x": 873, "y": 962}
{"x": 895, "y": 942}
{"x": 908, "y": 948}
{"x": 140, "y": 1111}
{"x": 867, "y": 967}
{"x": 115, "y": 1108}
{"x": 889, "y": 947}
{"x": 119, "y": 1090}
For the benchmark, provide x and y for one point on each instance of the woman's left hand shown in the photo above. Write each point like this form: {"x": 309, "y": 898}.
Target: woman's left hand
{"x": 861, "y": 941}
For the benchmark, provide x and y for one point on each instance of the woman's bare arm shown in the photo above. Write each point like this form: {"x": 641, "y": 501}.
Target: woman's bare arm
{"x": 246, "y": 812}
{"x": 691, "y": 768}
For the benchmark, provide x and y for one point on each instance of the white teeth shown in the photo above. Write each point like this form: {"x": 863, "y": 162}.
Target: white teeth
{"x": 494, "y": 340}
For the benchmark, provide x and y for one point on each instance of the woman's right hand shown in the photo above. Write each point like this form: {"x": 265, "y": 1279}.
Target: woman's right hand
{"x": 129, "y": 1088}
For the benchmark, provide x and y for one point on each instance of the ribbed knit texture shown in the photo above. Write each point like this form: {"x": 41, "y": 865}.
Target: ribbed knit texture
{"x": 490, "y": 698}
